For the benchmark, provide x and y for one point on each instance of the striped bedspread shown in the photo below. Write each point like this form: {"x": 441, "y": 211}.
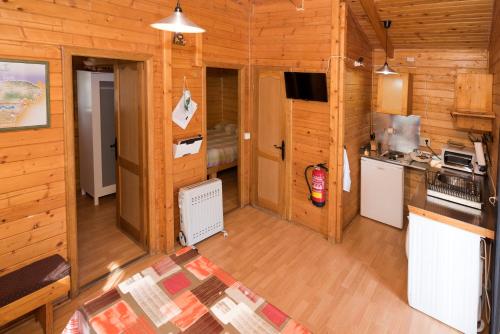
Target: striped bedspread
{"x": 222, "y": 147}
{"x": 182, "y": 293}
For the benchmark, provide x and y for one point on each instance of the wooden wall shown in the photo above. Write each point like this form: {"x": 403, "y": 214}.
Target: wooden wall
{"x": 495, "y": 69}
{"x": 225, "y": 44}
{"x": 285, "y": 38}
{"x": 434, "y": 73}
{"x": 222, "y": 96}
{"x": 32, "y": 167}
{"x": 357, "y": 108}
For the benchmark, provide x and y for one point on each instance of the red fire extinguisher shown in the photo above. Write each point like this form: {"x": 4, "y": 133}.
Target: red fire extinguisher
{"x": 317, "y": 192}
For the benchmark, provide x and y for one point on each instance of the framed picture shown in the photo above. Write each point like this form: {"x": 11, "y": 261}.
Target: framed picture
{"x": 24, "y": 95}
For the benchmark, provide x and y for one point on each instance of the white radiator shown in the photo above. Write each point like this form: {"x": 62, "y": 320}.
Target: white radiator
{"x": 201, "y": 211}
{"x": 444, "y": 272}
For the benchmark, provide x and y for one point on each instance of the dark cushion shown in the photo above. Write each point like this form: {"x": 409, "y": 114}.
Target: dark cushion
{"x": 33, "y": 277}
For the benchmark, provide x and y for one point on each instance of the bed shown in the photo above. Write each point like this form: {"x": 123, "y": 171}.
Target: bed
{"x": 222, "y": 149}
{"x": 184, "y": 292}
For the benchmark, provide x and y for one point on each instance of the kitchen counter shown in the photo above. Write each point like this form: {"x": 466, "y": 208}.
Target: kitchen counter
{"x": 405, "y": 162}
{"x": 481, "y": 222}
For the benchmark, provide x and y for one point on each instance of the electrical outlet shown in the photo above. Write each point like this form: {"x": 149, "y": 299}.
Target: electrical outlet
{"x": 424, "y": 141}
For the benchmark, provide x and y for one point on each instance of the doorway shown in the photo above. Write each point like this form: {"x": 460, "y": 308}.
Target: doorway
{"x": 270, "y": 148}
{"x": 223, "y": 131}
{"x": 110, "y": 173}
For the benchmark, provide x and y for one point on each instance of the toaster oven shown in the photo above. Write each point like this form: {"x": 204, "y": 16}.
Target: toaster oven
{"x": 463, "y": 159}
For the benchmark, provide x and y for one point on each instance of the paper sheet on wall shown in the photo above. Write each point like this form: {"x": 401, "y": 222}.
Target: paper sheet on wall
{"x": 184, "y": 111}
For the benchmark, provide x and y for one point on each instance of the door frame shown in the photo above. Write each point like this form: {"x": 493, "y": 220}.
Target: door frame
{"x": 287, "y": 178}
{"x": 242, "y": 165}
{"x": 69, "y": 148}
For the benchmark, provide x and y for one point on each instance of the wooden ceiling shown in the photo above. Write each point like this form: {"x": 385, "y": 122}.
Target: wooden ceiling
{"x": 424, "y": 24}
{"x": 431, "y": 24}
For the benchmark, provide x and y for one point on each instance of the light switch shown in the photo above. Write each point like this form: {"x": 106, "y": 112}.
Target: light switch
{"x": 246, "y": 136}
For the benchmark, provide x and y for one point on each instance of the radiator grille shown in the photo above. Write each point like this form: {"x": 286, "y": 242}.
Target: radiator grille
{"x": 201, "y": 210}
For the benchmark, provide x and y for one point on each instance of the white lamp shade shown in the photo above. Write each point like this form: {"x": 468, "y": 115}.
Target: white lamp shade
{"x": 386, "y": 70}
{"x": 178, "y": 22}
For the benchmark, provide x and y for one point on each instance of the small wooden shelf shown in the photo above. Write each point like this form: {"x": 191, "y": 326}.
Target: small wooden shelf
{"x": 482, "y": 122}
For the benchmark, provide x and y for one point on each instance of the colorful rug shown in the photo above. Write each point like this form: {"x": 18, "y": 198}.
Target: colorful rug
{"x": 181, "y": 293}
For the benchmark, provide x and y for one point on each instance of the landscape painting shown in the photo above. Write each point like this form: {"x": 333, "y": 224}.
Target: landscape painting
{"x": 24, "y": 94}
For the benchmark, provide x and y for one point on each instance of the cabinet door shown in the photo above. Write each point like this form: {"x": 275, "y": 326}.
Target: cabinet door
{"x": 393, "y": 94}
{"x": 382, "y": 192}
{"x": 474, "y": 92}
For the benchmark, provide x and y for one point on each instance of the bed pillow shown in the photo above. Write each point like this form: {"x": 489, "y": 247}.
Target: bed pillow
{"x": 230, "y": 129}
{"x": 219, "y": 126}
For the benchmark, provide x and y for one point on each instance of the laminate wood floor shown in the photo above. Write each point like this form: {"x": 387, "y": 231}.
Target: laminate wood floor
{"x": 102, "y": 246}
{"x": 358, "y": 286}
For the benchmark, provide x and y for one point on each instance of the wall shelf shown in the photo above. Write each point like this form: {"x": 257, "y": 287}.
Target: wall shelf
{"x": 482, "y": 122}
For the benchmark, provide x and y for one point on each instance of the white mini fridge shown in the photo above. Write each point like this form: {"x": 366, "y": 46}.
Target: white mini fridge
{"x": 382, "y": 191}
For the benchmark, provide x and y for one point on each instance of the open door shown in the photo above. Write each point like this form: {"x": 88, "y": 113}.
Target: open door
{"x": 270, "y": 149}
{"x": 129, "y": 109}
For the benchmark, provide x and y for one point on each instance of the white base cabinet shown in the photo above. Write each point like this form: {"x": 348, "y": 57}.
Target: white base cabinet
{"x": 444, "y": 272}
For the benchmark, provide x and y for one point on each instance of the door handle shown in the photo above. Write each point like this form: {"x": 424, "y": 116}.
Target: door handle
{"x": 115, "y": 146}
{"x": 282, "y": 148}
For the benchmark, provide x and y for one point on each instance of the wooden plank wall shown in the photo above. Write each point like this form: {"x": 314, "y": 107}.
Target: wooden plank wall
{"x": 222, "y": 96}
{"x": 283, "y": 37}
{"x": 357, "y": 108}
{"x": 434, "y": 73}
{"x": 225, "y": 42}
{"x": 230, "y": 96}
{"x": 214, "y": 97}
{"x": 495, "y": 69}
{"x": 32, "y": 192}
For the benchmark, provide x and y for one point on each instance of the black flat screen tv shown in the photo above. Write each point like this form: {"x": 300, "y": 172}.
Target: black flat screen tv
{"x": 306, "y": 86}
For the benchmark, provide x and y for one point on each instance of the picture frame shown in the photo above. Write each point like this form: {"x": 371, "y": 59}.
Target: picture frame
{"x": 24, "y": 94}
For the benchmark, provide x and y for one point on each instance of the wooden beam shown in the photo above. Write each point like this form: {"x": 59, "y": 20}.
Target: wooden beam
{"x": 378, "y": 27}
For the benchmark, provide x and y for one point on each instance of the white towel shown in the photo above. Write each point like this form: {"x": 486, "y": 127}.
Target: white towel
{"x": 347, "y": 173}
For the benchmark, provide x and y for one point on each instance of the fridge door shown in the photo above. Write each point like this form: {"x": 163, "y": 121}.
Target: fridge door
{"x": 382, "y": 191}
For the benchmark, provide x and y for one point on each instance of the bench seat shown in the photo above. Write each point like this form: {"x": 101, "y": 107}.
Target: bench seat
{"x": 34, "y": 286}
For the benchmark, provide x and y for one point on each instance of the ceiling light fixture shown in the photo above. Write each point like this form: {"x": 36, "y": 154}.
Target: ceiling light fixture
{"x": 179, "y": 24}
{"x": 386, "y": 69}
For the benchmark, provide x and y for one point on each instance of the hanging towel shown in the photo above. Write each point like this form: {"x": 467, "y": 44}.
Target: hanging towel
{"x": 347, "y": 173}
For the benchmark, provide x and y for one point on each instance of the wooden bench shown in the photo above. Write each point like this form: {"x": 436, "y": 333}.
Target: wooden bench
{"x": 34, "y": 287}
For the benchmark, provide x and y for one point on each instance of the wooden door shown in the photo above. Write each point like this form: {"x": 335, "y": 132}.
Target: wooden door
{"x": 270, "y": 146}
{"x": 130, "y": 160}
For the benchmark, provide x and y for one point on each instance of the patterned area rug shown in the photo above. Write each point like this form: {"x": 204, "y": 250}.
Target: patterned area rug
{"x": 181, "y": 293}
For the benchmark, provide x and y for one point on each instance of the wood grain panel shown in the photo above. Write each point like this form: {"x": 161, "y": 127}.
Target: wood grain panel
{"x": 310, "y": 145}
{"x": 38, "y": 29}
{"x": 283, "y": 37}
{"x": 222, "y": 96}
{"x": 434, "y": 74}
{"x": 32, "y": 167}
{"x": 428, "y": 24}
{"x": 357, "y": 106}
{"x": 225, "y": 44}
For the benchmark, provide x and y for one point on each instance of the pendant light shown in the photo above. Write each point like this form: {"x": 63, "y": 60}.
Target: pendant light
{"x": 386, "y": 69}
{"x": 178, "y": 23}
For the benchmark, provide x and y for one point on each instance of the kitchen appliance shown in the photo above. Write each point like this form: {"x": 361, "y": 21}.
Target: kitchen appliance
{"x": 201, "y": 213}
{"x": 382, "y": 191}
{"x": 462, "y": 159}
{"x": 455, "y": 187}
